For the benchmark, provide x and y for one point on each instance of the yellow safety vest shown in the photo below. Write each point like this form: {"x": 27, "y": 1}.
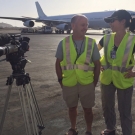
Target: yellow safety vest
{"x": 80, "y": 71}
{"x": 115, "y": 69}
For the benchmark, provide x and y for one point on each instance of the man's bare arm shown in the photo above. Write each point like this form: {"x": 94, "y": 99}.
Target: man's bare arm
{"x": 58, "y": 70}
{"x": 96, "y": 71}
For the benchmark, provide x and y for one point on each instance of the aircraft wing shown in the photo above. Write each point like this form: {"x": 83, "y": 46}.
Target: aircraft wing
{"x": 45, "y": 20}
{"x": 15, "y": 18}
{"x": 48, "y": 20}
{"x": 27, "y": 21}
{"x": 35, "y": 19}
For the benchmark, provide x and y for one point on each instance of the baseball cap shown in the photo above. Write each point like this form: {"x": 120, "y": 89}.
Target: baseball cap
{"x": 118, "y": 15}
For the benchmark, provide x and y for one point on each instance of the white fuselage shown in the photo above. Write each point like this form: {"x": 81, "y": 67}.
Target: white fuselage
{"x": 95, "y": 19}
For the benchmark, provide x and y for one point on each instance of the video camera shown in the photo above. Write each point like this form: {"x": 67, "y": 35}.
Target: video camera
{"x": 14, "y": 47}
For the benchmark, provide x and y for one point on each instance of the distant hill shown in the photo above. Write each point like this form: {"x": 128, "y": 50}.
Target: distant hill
{"x": 4, "y": 25}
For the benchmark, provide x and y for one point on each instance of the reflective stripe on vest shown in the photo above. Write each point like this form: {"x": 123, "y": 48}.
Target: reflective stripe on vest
{"x": 68, "y": 50}
{"x": 125, "y": 58}
{"x": 105, "y": 50}
{"x": 84, "y": 67}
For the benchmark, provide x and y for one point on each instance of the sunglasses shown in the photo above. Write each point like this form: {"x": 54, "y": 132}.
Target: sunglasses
{"x": 112, "y": 20}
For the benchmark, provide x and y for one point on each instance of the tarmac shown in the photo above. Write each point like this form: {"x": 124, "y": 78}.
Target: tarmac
{"x": 48, "y": 91}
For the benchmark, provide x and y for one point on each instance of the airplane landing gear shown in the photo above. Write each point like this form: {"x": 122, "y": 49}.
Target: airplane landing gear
{"x": 59, "y": 31}
{"x": 68, "y": 31}
{"x": 107, "y": 31}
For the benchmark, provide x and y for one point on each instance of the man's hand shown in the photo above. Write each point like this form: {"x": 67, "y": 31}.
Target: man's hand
{"x": 129, "y": 74}
{"x": 101, "y": 69}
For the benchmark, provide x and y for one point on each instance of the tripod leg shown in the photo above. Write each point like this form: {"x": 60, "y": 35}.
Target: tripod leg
{"x": 24, "y": 109}
{"x": 35, "y": 113}
{"x": 6, "y": 105}
{"x": 40, "y": 121}
{"x": 31, "y": 110}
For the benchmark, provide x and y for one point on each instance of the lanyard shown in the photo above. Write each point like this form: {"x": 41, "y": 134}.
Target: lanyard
{"x": 113, "y": 53}
{"x": 78, "y": 51}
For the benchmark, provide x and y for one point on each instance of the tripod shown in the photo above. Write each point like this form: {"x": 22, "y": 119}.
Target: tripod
{"x": 32, "y": 117}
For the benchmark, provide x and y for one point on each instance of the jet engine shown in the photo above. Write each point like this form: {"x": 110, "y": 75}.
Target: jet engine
{"x": 28, "y": 23}
{"x": 63, "y": 26}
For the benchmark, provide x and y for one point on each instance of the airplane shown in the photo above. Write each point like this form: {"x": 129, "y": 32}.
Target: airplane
{"x": 62, "y": 22}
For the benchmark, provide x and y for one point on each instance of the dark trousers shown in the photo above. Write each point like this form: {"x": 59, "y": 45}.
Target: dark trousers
{"x": 124, "y": 107}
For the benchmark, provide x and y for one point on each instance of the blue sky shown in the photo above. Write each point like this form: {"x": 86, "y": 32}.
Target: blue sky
{"x": 18, "y": 8}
